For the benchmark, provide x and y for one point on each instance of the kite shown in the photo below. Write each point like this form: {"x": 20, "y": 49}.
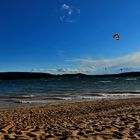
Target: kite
{"x": 116, "y": 36}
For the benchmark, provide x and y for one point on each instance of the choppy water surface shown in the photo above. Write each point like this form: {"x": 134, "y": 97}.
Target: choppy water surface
{"x": 56, "y": 90}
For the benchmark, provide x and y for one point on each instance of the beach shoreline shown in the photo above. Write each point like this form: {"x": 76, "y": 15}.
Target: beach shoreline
{"x": 18, "y": 101}
{"x": 98, "y": 119}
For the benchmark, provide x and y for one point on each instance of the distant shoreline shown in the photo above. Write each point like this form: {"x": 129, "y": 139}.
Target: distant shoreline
{"x": 37, "y": 75}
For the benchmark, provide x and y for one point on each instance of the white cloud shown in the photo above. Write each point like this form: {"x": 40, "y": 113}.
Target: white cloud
{"x": 68, "y": 13}
{"x": 66, "y": 19}
{"x": 97, "y": 66}
{"x": 68, "y": 70}
{"x": 64, "y": 70}
{"x": 112, "y": 65}
{"x": 65, "y": 7}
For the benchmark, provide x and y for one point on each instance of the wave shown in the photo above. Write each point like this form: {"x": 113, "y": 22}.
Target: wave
{"x": 131, "y": 79}
{"x": 105, "y": 81}
{"x": 120, "y": 95}
{"x": 31, "y": 101}
{"x": 76, "y": 98}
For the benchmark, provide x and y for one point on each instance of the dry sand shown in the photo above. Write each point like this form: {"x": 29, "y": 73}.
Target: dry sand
{"x": 92, "y": 120}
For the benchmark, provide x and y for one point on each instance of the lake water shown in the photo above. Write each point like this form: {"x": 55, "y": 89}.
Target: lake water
{"x": 14, "y": 92}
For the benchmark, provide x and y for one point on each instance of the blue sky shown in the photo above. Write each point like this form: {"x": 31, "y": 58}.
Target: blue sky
{"x": 69, "y": 36}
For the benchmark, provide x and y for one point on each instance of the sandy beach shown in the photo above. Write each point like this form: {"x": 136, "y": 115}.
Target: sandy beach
{"x": 93, "y": 120}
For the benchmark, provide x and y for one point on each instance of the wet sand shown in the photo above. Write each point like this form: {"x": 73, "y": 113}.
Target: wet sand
{"x": 92, "y": 120}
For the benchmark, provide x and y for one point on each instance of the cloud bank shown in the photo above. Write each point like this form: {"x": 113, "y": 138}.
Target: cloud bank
{"x": 98, "y": 66}
{"x": 59, "y": 71}
{"x": 112, "y": 65}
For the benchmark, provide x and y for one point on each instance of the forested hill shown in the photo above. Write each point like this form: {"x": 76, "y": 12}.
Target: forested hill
{"x": 35, "y": 75}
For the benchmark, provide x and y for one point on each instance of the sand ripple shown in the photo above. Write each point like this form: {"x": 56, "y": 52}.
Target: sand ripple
{"x": 93, "y": 120}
